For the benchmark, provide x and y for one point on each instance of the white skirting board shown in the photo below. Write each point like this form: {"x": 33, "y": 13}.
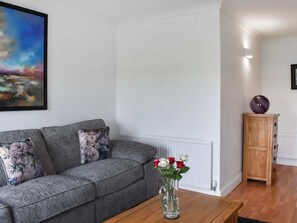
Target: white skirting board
{"x": 200, "y": 160}
{"x": 287, "y": 149}
{"x": 231, "y": 185}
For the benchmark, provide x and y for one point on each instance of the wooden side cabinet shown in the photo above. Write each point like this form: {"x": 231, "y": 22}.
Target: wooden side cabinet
{"x": 260, "y": 147}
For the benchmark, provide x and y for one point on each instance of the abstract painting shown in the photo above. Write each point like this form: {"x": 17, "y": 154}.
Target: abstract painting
{"x": 23, "y": 58}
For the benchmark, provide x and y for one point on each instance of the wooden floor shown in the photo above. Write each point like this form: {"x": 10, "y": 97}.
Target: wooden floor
{"x": 276, "y": 203}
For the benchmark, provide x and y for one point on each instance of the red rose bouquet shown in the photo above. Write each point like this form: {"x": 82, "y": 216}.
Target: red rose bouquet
{"x": 171, "y": 171}
{"x": 171, "y": 168}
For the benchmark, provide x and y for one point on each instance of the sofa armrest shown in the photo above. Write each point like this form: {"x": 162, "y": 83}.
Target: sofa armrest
{"x": 5, "y": 216}
{"x": 132, "y": 150}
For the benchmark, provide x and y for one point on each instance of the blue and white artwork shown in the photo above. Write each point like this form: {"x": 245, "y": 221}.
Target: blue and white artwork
{"x": 22, "y": 58}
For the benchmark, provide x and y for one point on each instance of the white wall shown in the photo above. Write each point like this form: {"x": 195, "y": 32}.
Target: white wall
{"x": 168, "y": 78}
{"x": 81, "y": 68}
{"x": 181, "y": 75}
{"x": 277, "y": 56}
{"x": 240, "y": 81}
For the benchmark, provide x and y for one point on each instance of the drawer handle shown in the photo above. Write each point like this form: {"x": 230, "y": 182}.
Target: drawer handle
{"x": 274, "y": 147}
{"x": 274, "y": 135}
{"x": 274, "y": 158}
{"x": 274, "y": 169}
{"x": 275, "y": 124}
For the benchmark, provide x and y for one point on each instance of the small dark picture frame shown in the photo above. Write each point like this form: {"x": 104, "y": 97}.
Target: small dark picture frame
{"x": 293, "y": 76}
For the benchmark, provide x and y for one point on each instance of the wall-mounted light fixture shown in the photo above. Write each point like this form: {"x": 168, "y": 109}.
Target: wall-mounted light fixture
{"x": 247, "y": 53}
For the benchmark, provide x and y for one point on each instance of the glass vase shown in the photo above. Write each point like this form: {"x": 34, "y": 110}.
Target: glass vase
{"x": 169, "y": 198}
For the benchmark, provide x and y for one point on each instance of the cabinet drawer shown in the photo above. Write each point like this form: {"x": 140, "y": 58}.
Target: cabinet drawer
{"x": 274, "y": 147}
{"x": 273, "y": 172}
{"x": 275, "y": 127}
{"x": 275, "y": 124}
{"x": 274, "y": 158}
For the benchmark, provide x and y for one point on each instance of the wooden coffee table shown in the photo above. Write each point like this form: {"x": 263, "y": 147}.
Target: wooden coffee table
{"x": 194, "y": 207}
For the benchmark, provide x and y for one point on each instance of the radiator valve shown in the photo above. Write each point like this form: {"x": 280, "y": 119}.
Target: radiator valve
{"x": 213, "y": 185}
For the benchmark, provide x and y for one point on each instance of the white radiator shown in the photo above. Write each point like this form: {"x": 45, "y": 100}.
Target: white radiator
{"x": 199, "y": 177}
{"x": 287, "y": 150}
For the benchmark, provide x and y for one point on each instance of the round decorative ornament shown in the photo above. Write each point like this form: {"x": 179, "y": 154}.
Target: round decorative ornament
{"x": 259, "y": 104}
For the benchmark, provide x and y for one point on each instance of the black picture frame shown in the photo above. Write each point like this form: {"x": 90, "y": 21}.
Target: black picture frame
{"x": 293, "y": 76}
{"x": 23, "y": 58}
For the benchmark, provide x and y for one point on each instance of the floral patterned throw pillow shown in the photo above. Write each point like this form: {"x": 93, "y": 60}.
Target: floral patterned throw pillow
{"x": 20, "y": 162}
{"x": 94, "y": 144}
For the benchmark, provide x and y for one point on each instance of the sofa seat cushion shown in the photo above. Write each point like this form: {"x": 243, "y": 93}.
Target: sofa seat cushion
{"x": 108, "y": 175}
{"x": 41, "y": 198}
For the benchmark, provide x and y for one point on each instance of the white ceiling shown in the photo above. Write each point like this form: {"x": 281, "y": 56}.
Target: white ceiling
{"x": 270, "y": 17}
{"x": 122, "y": 9}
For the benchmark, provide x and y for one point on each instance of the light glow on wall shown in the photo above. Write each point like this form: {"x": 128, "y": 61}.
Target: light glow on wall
{"x": 247, "y": 53}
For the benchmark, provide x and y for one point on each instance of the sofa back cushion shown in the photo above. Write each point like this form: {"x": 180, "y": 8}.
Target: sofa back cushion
{"x": 63, "y": 142}
{"x": 37, "y": 139}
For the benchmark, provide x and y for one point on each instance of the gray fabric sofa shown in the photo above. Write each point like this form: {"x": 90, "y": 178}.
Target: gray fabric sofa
{"x": 71, "y": 192}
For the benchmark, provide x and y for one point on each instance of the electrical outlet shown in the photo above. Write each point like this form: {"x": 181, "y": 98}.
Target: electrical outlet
{"x": 214, "y": 185}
